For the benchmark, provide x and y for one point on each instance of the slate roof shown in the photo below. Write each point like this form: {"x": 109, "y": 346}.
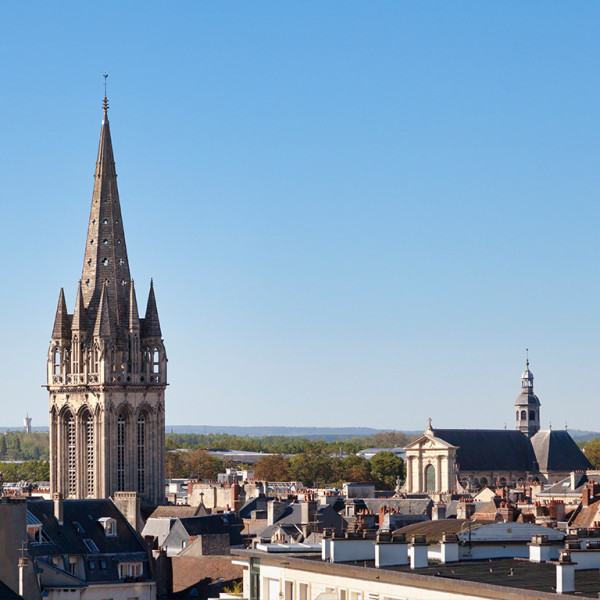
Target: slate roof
{"x": 490, "y": 449}
{"x": 219, "y": 523}
{"x": 80, "y": 522}
{"x": 557, "y": 451}
{"x": 325, "y": 517}
{"x": 7, "y": 594}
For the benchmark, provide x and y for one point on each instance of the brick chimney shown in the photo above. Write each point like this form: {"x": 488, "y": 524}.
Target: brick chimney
{"x": 586, "y": 494}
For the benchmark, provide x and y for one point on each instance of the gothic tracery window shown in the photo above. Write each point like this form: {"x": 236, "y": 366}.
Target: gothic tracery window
{"x": 89, "y": 448}
{"x": 56, "y": 361}
{"x": 155, "y": 361}
{"x": 141, "y": 455}
{"x": 121, "y": 453}
{"x": 70, "y": 447}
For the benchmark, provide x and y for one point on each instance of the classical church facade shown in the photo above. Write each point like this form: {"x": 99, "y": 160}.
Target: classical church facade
{"x": 107, "y": 367}
{"x": 444, "y": 461}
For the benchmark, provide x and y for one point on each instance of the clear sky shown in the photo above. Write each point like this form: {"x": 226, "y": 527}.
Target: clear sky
{"x": 355, "y": 213}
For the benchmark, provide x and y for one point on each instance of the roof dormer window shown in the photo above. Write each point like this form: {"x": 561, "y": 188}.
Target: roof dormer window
{"x": 110, "y": 526}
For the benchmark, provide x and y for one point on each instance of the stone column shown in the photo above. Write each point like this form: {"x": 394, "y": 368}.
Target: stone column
{"x": 420, "y": 472}
{"x": 438, "y": 474}
{"x": 409, "y": 474}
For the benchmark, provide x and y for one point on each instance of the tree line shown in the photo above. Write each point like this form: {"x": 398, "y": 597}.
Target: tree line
{"x": 281, "y": 444}
{"x": 313, "y": 469}
{"x": 18, "y": 445}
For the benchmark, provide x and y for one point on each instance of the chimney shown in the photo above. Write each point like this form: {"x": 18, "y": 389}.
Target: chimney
{"x": 419, "y": 558}
{"x": 274, "y": 510}
{"x": 565, "y": 574}
{"x": 307, "y": 511}
{"x": 586, "y": 494}
{"x": 129, "y": 504}
{"x": 57, "y": 498}
{"x": 438, "y": 511}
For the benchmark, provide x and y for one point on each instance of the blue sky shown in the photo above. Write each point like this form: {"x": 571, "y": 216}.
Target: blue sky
{"x": 354, "y": 213}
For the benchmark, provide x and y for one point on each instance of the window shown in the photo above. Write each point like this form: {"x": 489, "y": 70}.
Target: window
{"x": 129, "y": 569}
{"x": 121, "y": 453}
{"x": 95, "y": 359}
{"x": 56, "y": 361}
{"x": 531, "y": 415}
{"x": 88, "y": 423}
{"x": 430, "y": 478}
{"x": 156, "y": 361}
{"x": 303, "y": 591}
{"x": 141, "y": 458}
{"x": 288, "y": 590}
{"x": 91, "y": 546}
{"x": 523, "y": 415}
{"x": 70, "y": 439}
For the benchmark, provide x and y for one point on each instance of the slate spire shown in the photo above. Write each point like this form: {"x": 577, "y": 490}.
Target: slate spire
{"x": 134, "y": 317}
{"x": 103, "y": 327}
{"x": 151, "y": 322}
{"x": 105, "y": 263}
{"x": 62, "y": 325}
{"x": 79, "y": 320}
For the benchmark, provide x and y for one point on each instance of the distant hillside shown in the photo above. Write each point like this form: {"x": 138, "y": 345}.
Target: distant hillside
{"x": 328, "y": 434}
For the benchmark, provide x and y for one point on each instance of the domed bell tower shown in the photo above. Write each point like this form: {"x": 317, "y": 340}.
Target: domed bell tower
{"x": 527, "y": 406}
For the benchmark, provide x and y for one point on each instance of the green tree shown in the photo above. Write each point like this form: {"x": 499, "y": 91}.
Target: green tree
{"x": 177, "y": 465}
{"x": 385, "y": 468}
{"x": 204, "y": 466}
{"x": 273, "y": 467}
{"x": 312, "y": 468}
{"x": 3, "y": 448}
{"x": 591, "y": 450}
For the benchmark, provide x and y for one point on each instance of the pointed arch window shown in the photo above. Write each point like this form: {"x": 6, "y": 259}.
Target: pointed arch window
{"x": 75, "y": 355}
{"x": 56, "y": 361}
{"x": 155, "y": 361}
{"x": 88, "y": 424}
{"x": 121, "y": 453}
{"x": 141, "y": 454}
{"x": 96, "y": 359}
{"x": 70, "y": 448}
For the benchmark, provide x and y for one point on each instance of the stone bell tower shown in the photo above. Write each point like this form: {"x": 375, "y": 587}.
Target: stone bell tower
{"x": 527, "y": 404}
{"x": 107, "y": 368}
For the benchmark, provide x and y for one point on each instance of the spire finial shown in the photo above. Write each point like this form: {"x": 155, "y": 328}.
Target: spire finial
{"x": 105, "y": 101}
{"x": 429, "y": 423}
{"x": 527, "y": 357}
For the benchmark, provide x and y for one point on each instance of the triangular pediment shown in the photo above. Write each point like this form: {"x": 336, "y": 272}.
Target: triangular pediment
{"x": 428, "y": 441}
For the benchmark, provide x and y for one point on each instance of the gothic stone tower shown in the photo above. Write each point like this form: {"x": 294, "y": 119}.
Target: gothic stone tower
{"x": 107, "y": 368}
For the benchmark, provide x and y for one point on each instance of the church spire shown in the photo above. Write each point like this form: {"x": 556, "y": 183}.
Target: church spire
{"x": 62, "y": 325}
{"x": 151, "y": 322}
{"x": 105, "y": 258}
